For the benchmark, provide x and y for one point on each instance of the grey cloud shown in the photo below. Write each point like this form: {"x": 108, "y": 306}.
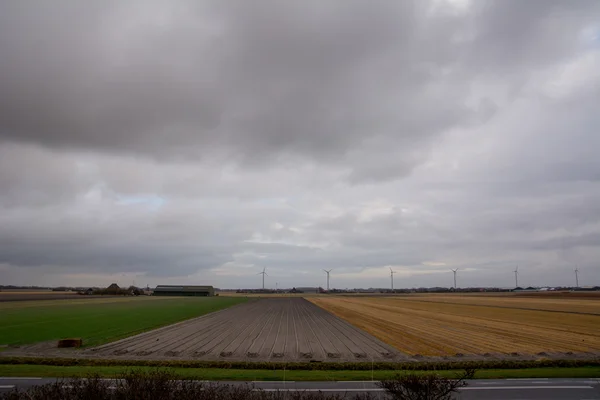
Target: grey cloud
{"x": 511, "y": 35}
{"x": 207, "y": 140}
{"x": 232, "y": 81}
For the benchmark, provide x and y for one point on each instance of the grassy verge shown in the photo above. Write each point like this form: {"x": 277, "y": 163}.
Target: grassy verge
{"x": 305, "y": 366}
{"x": 278, "y": 375}
{"x": 99, "y": 321}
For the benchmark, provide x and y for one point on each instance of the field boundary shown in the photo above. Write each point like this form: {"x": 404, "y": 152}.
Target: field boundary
{"x": 307, "y": 366}
{"x": 212, "y": 374}
{"x": 169, "y": 326}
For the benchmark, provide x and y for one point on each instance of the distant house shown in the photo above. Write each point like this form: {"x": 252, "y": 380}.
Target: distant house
{"x": 175, "y": 290}
{"x": 113, "y": 289}
{"x": 307, "y": 290}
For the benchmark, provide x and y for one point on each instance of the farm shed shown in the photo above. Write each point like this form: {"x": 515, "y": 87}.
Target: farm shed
{"x": 174, "y": 290}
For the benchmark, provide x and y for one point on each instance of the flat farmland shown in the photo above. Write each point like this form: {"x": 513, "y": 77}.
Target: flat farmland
{"x": 576, "y": 305}
{"x": 474, "y": 325}
{"x": 98, "y": 320}
{"x": 16, "y": 295}
{"x": 268, "y": 329}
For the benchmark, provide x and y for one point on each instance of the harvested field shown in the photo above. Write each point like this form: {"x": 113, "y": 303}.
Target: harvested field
{"x": 576, "y": 305}
{"x": 287, "y": 329}
{"x": 562, "y": 294}
{"x": 455, "y": 325}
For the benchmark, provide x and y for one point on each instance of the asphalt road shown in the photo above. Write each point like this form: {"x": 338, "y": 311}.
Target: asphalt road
{"x": 496, "y": 389}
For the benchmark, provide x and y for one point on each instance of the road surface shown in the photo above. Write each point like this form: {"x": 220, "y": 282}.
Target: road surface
{"x": 492, "y": 389}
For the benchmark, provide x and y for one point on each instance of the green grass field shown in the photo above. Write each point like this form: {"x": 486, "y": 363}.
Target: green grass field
{"x": 99, "y": 321}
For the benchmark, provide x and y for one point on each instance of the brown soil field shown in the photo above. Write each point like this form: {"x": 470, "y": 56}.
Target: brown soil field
{"x": 562, "y": 295}
{"x": 471, "y": 325}
{"x": 285, "y": 329}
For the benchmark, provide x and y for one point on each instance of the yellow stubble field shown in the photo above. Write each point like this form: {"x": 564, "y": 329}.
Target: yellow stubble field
{"x": 438, "y": 325}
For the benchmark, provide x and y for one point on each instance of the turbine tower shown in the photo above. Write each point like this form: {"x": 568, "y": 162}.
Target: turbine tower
{"x": 516, "y": 271}
{"x": 327, "y": 272}
{"x": 263, "y": 273}
{"x": 576, "y": 277}
{"x": 392, "y": 272}
{"x": 454, "y": 271}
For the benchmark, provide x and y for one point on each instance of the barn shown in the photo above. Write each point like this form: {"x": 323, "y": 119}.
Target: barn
{"x": 175, "y": 290}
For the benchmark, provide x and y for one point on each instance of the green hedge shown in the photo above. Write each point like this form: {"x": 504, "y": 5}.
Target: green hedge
{"x": 320, "y": 366}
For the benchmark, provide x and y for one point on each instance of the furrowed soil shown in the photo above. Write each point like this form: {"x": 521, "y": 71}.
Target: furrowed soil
{"x": 269, "y": 329}
{"x": 462, "y": 326}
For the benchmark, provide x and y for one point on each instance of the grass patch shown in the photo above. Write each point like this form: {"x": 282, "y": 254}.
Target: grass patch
{"x": 279, "y": 375}
{"x": 99, "y": 321}
{"x": 303, "y": 366}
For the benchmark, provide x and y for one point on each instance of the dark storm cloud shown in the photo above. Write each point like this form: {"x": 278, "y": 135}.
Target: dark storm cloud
{"x": 250, "y": 81}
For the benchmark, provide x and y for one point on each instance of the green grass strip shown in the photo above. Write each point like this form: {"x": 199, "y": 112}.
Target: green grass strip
{"x": 317, "y": 366}
{"x": 279, "y": 375}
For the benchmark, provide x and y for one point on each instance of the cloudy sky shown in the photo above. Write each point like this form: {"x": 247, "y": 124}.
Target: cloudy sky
{"x": 202, "y": 141}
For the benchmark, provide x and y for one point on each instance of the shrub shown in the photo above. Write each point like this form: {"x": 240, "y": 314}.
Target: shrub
{"x": 154, "y": 385}
{"x": 425, "y": 387}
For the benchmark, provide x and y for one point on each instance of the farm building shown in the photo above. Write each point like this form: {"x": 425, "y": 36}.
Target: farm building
{"x": 174, "y": 290}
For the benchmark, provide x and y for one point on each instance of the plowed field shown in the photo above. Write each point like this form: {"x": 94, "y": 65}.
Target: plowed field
{"x": 266, "y": 329}
{"x": 446, "y": 326}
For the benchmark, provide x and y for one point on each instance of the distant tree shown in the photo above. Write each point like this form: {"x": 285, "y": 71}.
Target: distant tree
{"x": 134, "y": 291}
{"x": 429, "y": 386}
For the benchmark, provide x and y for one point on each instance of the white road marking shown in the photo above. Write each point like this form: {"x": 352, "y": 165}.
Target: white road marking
{"x": 526, "y": 379}
{"x": 271, "y": 381}
{"x": 8, "y": 378}
{"x": 381, "y": 390}
{"x": 320, "y": 390}
{"x": 524, "y": 387}
{"x": 7, "y": 386}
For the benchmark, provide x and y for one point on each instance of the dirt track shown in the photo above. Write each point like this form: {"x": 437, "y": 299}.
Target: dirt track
{"x": 290, "y": 329}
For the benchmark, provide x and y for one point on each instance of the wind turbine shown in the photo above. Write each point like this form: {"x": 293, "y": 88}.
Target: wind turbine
{"x": 263, "y": 273}
{"x": 392, "y": 272}
{"x": 516, "y": 271}
{"x": 454, "y": 271}
{"x": 576, "y": 277}
{"x": 327, "y": 272}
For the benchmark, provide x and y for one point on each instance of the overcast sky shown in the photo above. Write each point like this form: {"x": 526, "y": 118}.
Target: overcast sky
{"x": 199, "y": 142}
